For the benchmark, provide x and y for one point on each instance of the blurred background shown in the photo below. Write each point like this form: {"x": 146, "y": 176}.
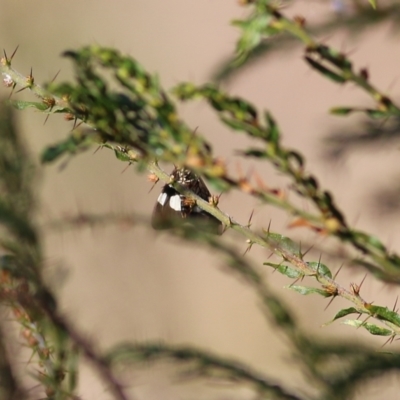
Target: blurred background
{"x": 123, "y": 283}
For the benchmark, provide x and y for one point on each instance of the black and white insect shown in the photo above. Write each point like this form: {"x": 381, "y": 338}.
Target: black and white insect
{"x": 173, "y": 208}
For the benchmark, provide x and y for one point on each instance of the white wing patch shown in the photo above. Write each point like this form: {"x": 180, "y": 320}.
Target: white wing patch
{"x": 162, "y": 198}
{"x": 175, "y": 202}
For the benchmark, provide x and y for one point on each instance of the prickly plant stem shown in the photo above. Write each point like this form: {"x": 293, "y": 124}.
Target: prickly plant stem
{"x": 264, "y": 241}
{"x": 22, "y": 81}
{"x": 270, "y": 243}
{"x": 83, "y": 344}
{"x": 287, "y": 25}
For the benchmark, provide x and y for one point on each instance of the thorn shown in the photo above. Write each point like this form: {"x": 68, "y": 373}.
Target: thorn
{"x": 269, "y": 226}
{"x": 365, "y": 321}
{"x": 337, "y": 272}
{"x": 44, "y": 123}
{"x": 391, "y": 338}
{"x": 248, "y": 247}
{"x": 98, "y": 148}
{"x": 274, "y": 267}
{"x": 77, "y": 126}
{"x": 12, "y": 90}
{"x": 319, "y": 263}
{"x": 129, "y": 164}
{"x": 395, "y": 303}
{"x": 13, "y": 54}
{"x": 250, "y": 218}
{"x": 20, "y": 90}
{"x": 76, "y": 118}
{"x": 359, "y": 286}
{"x": 330, "y": 302}
{"x": 154, "y": 184}
{"x": 55, "y": 76}
{"x": 301, "y": 277}
{"x": 306, "y": 252}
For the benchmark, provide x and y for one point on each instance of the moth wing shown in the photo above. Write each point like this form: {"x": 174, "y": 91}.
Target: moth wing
{"x": 201, "y": 189}
{"x": 206, "y": 222}
{"x": 209, "y": 222}
{"x": 170, "y": 211}
{"x": 166, "y": 212}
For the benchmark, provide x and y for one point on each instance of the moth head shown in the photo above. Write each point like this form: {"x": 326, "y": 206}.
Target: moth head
{"x": 184, "y": 176}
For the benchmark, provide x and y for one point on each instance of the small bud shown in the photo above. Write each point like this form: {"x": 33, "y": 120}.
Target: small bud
{"x": 153, "y": 178}
{"x": 69, "y": 117}
{"x": 49, "y": 102}
{"x": 7, "y": 80}
{"x": 355, "y": 289}
{"x": 364, "y": 73}
{"x": 331, "y": 290}
{"x": 214, "y": 200}
{"x": 332, "y": 225}
{"x": 300, "y": 21}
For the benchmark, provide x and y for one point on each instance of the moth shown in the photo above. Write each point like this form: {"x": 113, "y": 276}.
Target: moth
{"x": 173, "y": 208}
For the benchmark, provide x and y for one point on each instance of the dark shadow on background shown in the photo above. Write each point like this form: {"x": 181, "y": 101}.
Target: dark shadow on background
{"x": 384, "y": 200}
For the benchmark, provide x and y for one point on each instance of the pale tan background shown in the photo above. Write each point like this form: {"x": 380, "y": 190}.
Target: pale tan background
{"x": 133, "y": 284}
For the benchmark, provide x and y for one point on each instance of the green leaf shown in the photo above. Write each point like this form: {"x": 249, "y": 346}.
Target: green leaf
{"x": 22, "y": 105}
{"x": 257, "y": 153}
{"x": 320, "y": 269}
{"x": 236, "y": 124}
{"x": 59, "y": 109}
{"x": 274, "y": 133}
{"x": 371, "y": 328}
{"x": 285, "y": 270}
{"x": 335, "y": 57}
{"x": 385, "y": 314}
{"x": 304, "y": 290}
{"x": 346, "y": 311}
{"x": 377, "y": 114}
{"x": 51, "y": 153}
{"x": 296, "y": 157}
{"x": 372, "y": 113}
{"x": 73, "y": 144}
{"x": 122, "y": 156}
{"x": 284, "y": 242}
{"x": 342, "y": 110}
{"x": 373, "y": 4}
{"x": 253, "y": 30}
{"x": 325, "y": 71}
